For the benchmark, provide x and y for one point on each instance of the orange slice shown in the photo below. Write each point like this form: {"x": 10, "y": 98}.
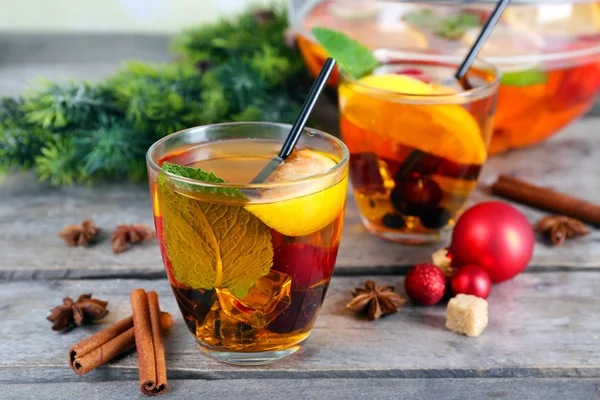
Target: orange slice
{"x": 445, "y": 130}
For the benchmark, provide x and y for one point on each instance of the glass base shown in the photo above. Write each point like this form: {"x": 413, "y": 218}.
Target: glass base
{"x": 406, "y": 236}
{"x": 257, "y": 358}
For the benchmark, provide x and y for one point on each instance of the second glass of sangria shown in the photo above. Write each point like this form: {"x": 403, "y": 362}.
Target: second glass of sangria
{"x": 417, "y": 141}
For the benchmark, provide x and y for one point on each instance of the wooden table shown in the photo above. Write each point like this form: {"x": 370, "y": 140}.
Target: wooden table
{"x": 542, "y": 342}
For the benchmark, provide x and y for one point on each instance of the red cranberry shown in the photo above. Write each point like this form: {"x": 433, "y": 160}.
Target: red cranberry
{"x": 364, "y": 172}
{"x": 307, "y": 265}
{"x": 301, "y": 312}
{"x": 415, "y": 73}
{"x": 416, "y": 196}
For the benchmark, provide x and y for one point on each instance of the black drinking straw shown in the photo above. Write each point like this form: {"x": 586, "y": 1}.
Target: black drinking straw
{"x": 483, "y": 35}
{"x": 300, "y": 123}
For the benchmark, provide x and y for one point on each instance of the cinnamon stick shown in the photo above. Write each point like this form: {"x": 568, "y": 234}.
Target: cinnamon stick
{"x": 157, "y": 339}
{"x": 546, "y": 199}
{"x": 107, "y": 344}
{"x": 149, "y": 343}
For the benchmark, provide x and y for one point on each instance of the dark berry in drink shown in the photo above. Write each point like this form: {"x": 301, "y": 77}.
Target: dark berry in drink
{"x": 417, "y": 164}
{"x": 302, "y": 310}
{"x": 365, "y": 173}
{"x": 416, "y": 196}
{"x": 436, "y": 219}
{"x": 393, "y": 221}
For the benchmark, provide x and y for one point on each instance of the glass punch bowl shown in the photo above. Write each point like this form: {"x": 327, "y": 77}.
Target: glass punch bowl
{"x": 548, "y": 51}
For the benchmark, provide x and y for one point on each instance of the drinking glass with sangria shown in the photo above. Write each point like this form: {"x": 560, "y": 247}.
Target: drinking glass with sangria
{"x": 249, "y": 264}
{"x": 417, "y": 138}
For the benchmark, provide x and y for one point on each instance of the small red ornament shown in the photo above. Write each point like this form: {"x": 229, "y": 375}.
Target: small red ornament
{"x": 495, "y": 236}
{"x": 425, "y": 284}
{"x": 472, "y": 279}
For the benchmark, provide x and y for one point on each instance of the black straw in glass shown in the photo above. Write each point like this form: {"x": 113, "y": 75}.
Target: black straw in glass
{"x": 300, "y": 123}
{"x": 483, "y": 35}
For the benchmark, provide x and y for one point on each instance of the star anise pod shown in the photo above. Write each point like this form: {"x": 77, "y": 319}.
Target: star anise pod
{"x": 377, "y": 301}
{"x": 126, "y": 235}
{"x": 558, "y": 228}
{"x": 79, "y": 235}
{"x": 82, "y": 311}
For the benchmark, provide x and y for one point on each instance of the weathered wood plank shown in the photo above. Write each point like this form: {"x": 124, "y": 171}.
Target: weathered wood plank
{"x": 333, "y": 389}
{"x": 31, "y": 214}
{"x": 541, "y": 325}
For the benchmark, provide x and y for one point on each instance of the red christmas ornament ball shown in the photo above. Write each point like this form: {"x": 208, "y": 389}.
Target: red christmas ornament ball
{"x": 425, "y": 284}
{"x": 472, "y": 279}
{"x": 495, "y": 236}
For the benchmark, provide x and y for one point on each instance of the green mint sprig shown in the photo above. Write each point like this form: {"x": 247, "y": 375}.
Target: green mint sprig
{"x": 528, "y": 77}
{"x": 200, "y": 175}
{"x": 423, "y": 18}
{"x": 455, "y": 26}
{"x": 354, "y": 58}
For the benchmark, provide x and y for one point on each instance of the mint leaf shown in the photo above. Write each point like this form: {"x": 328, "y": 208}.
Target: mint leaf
{"x": 426, "y": 18}
{"x": 354, "y": 58}
{"x": 200, "y": 175}
{"x": 212, "y": 245}
{"x": 455, "y": 26}
{"x": 532, "y": 76}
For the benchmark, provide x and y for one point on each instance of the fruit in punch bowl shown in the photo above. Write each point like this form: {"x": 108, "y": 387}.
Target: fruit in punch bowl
{"x": 548, "y": 51}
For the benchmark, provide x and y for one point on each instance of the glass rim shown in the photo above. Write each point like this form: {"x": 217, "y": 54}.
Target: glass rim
{"x": 333, "y": 170}
{"x": 563, "y": 55}
{"x": 389, "y": 56}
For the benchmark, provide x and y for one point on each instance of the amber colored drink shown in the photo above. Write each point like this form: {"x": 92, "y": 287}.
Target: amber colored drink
{"x": 415, "y": 158}
{"x": 550, "y": 65}
{"x": 250, "y": 264}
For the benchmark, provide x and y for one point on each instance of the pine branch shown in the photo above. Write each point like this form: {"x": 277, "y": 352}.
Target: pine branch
{"x": 20, "y": 142}
{"x": 107, "y": 152}
{"x": 159, "y": 99}
{"x": 240, "y": 83}
{"x": 236, "y": 69}
{"x": 58, "y": 163}
{"x": 66, "y": 105}
{"x": 237, "y": 37}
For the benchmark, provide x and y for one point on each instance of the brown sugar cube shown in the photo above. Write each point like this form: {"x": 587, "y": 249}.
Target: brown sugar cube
{"x": 467, "y": 315}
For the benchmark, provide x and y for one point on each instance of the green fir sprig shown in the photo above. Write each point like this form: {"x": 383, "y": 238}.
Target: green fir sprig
{"x": 81, "y": 132}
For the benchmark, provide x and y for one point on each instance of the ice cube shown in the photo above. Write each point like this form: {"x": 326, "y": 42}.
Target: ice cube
{"x": 268, "y": 298}
{"x": 220, "y": 330}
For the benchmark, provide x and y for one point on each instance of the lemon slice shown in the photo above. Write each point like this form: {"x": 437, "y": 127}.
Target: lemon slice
{"x": 397, "y": 83}
{"x": 308, "y": 207}
{"x": 445, "y": 130}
